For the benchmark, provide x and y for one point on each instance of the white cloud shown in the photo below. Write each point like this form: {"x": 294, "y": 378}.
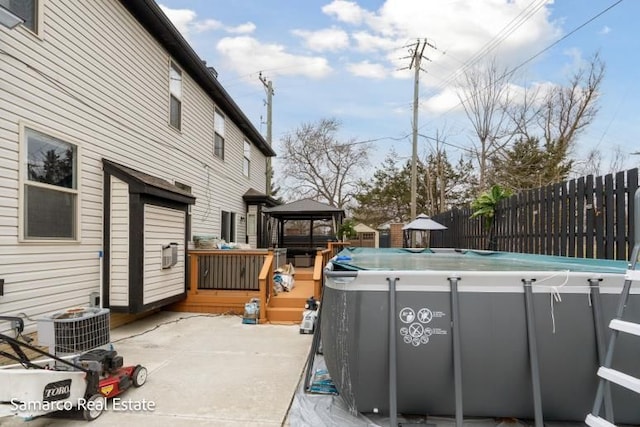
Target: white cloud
{"x": 182, "y": 19}
{"x": 367, "y": 42}
{"x": 207, "y": 25}
{"x": 368, "y": 70}
{"x": 246, "y": 55}
{"x": 185, "y": 20}
{"x": 605, "y": 30}
{"x": 511, "y": 30}
{"x": 442, "y": 102}
{"x": 345, "y": 11}
{"x": 329, "y": 39}
{"x": 246, "y": 28}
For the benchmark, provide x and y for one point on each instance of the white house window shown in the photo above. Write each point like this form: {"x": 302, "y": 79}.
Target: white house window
{"x": 218, "y": 129}
{"x": 246, "y": 166}
{"x": 175, "y": 96}
{"x": 50, "y": 188}
{"x": 25, "y": 9}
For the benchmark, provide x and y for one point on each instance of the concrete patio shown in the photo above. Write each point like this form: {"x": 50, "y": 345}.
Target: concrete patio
{"x": 204, "y": 370}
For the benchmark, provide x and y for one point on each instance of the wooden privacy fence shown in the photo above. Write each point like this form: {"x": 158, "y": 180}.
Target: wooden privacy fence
{"x": 586, "y": 218}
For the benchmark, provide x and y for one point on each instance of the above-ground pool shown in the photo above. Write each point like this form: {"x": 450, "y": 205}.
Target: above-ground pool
{"x": 528, "y": 329}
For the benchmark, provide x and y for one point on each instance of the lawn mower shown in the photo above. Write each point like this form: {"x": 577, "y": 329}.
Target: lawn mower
{"x": 35, "y": 387}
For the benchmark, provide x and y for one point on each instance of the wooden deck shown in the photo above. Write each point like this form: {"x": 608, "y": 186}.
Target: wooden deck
{"x": 237, "y": 271}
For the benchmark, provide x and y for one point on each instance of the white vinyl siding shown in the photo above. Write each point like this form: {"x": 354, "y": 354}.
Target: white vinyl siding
{"x": 162, "y": 226}
{"x": 101, "y": 81}
{"x": 119, "y": 249}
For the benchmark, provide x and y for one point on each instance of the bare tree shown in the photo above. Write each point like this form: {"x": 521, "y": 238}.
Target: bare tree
{"x": 318, "y": 166}
{"x": 484, "y": 94}
{"x": 592, "y": 165}
{"x": 558, "y": 116}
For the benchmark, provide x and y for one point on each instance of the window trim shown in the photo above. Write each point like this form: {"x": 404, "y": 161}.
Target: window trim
{"x": 23, "y": 181}
{"x": 174, "y": 65}
{"x": 38, "y": 19}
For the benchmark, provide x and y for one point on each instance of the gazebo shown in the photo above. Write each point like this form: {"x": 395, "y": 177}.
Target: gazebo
{"x": 302, "y": 227}
{"x": 422, "y": 225}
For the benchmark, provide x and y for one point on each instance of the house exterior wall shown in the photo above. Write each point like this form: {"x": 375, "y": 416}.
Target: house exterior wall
{"x": 162, "y": 226}
{"x": 94, "y": 77}
{"x": 119, "y": 251}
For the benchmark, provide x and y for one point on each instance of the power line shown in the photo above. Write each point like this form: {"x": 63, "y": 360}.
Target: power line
{"x": 522, "y": 64}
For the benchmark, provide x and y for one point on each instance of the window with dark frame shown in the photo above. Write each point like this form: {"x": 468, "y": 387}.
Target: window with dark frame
{"x": 228, "y": 226}
{"x": 218, "y": 128}
{"x": 246, "y": 165}
{"x": 25, "y": 9}
{"x": 50, "y": 188}
{"x": 175, "y": 96}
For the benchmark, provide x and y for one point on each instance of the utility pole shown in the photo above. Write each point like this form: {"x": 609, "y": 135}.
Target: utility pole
{"x": 417, "y": 55}
{"x": 268, "y": 85}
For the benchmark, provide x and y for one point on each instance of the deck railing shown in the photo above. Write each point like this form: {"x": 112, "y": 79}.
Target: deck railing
{"x": 322, "y": 258}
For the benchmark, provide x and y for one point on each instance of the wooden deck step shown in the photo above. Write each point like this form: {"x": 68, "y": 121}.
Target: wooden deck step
{"x": 288, "y": 306}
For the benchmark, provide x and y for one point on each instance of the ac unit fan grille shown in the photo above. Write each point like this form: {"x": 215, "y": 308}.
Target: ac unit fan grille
{"x": 89, "y": 330}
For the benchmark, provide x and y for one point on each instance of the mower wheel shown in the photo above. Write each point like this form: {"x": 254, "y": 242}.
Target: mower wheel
{"x": 94, "y": 407}
{"x": 139, "y": 376}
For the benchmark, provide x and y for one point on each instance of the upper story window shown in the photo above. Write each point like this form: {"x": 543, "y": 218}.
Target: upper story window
{"x": 50, "y": 175}
{"x": 175, "y": 96}
{"x": 25, "y": 9}
{"x": 218, "y": 130}
{"x": 246, "y": 166}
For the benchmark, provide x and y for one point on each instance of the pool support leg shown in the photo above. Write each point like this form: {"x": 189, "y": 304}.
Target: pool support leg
{"x": 393, "y": 375}
{"x": 598, "y": 321}
{"x": 457, "y": 350}
{"x": 533, "y": 352}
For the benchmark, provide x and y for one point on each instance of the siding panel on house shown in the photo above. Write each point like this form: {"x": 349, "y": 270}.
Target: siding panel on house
{"x": 97, "y": 79}
{"x": 119, "y": 251}
{"x": 162, "y": 226}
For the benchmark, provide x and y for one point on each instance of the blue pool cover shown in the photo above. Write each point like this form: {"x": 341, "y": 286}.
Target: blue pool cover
{"x": 466, "y": 260}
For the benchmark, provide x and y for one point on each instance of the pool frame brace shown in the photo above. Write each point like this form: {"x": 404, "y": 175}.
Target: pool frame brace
{"x": 528, "y": 283}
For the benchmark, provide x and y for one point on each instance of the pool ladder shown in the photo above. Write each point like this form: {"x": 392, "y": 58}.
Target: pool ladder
{"x": 606, "y": 373}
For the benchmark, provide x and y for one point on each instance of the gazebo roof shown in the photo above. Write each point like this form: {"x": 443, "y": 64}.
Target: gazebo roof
{"x": 305, "y": 209}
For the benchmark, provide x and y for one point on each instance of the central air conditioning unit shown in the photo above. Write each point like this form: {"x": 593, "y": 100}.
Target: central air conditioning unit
{"x": 74, "y": 331}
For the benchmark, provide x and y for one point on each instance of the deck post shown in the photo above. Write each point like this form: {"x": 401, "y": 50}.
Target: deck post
{"x": 193, "y": 274}
{"x": 533, "y": 352}
{"x": 393, "y": 397}
{"x": 457, "y": 350}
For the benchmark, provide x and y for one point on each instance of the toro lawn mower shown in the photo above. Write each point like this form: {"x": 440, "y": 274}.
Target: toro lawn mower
{"x": 34, "y": 387}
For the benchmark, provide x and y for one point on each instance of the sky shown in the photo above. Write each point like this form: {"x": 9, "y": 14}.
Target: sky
{"x": 349, "y": 60}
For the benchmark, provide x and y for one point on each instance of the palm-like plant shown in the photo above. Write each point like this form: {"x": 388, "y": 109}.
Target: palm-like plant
{"x": 485, "y": 206}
